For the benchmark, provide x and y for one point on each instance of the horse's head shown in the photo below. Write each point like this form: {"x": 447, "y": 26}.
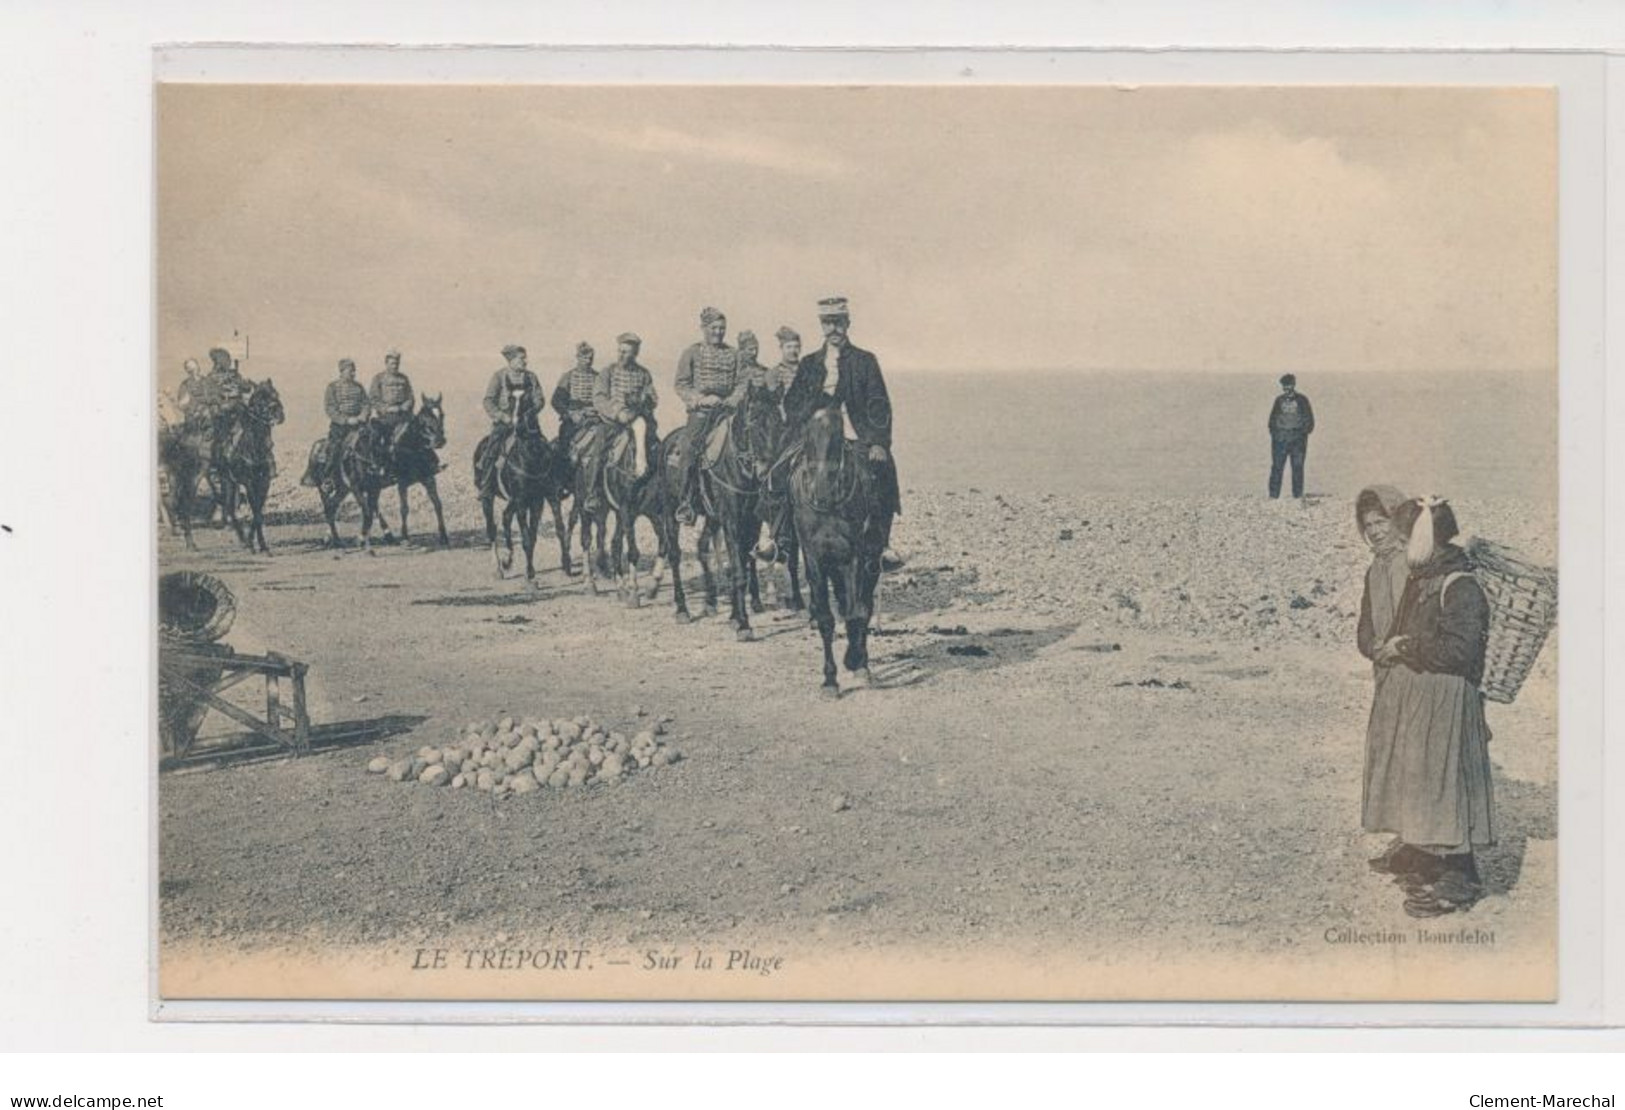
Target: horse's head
{"x": 823, "y": 436}
{"x": 432, "y": 418}
{"x": 759, "y": 426}
{"x": 265, "y": 403}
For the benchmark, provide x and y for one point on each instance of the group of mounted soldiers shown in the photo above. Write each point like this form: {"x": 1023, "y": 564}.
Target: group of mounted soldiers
{"x": 712, "y": 379}
{"x": 762, "y": 445}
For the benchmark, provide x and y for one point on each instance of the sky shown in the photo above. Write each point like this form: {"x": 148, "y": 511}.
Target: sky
{"x": 1170, "y": 228}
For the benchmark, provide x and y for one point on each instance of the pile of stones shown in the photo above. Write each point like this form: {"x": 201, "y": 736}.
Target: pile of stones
{"x": 523, "y": 755}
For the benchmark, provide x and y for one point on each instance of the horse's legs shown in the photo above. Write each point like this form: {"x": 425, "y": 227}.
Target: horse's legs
{"x": 706, "y": 550}
{"x": 433, "y": 491}
{"x": 226, "y": 493}
{"x": 561, "y": 530}
{"x": 400, "y": 490}
{"x": 748, "y": 539}
{"x": 508, "y": 512}
{"x": 818, "y": 588}
{"x": 587, "y": 560}
{"x": 488, "y": 507}
{"x": 256, "y": 506}
{"x": 626, "y": 555}
{"x": 674, "y": 559}
{"x": 330, "y": 510}
{"x": 569, "y": 530}
{"x": 369, "y": 508}
{"x": 792, "y": 551}
{"x": 183, "y": 484}
{"x": 857, "y": 647}
{"x": 739, "y": 574}
{"x": 529, "y": 519}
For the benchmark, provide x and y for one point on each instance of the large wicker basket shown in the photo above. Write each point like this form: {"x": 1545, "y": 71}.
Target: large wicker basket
{"x": 1523, "y": 610}
{"x": 195, "y": 607}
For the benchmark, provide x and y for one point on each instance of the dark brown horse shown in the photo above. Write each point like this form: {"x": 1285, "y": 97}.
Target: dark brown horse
{"x": 626, "y": 494}
{"x": 247, "y": 460}
{"x": 842, "y": 534}
{"x": 370, "y": 464}
{"x": 183, "y": 448}
{"x": 530, "y": 473}
{"x": 729, "y": 496}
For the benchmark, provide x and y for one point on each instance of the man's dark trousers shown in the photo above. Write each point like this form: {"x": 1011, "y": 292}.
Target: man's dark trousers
{"x": 1282, "y": 450}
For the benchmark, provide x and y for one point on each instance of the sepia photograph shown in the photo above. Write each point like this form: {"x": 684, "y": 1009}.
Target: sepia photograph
{"x": 635, "y": 542}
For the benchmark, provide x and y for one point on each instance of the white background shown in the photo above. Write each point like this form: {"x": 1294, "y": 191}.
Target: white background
{"x": 75, "y": 684}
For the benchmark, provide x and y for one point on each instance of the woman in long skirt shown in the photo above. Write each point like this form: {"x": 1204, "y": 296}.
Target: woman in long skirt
{"x": 1441, "y": 802}
{"x": 1385, "y": 581}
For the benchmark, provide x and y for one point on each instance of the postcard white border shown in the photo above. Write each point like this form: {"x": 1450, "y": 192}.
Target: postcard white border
{"x": 87, "y": 247}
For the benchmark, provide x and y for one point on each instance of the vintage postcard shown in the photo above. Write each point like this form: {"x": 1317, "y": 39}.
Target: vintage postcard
{"x": 745, "y": 542}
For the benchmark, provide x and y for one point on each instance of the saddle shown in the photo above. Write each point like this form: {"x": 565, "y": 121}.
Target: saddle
{"x": 716, "y": 443}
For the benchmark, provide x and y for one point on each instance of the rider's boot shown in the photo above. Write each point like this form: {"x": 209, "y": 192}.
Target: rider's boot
{"x": 685, "y": 504}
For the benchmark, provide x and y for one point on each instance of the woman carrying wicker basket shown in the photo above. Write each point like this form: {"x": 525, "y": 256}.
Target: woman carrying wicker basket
{"x": 1434, "y": 792}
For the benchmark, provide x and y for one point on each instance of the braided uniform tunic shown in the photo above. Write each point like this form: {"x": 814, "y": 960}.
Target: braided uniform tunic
{"x": 345, "y": 400}
{"x": 629, "y": 388}
{"x": 392, "y": 397}
{"x": 707, "y": 371}
{"x": 572, "y": 396}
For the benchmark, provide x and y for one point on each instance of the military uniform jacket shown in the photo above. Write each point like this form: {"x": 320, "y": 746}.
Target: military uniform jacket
{"x": 572, "y": 396}
{"x": 345, "y": 400}
{"x": 707, "y": 371}
{"x": 392, "y": 392}
{"x": 859, "y": 389}
{"x": 625, "y": 387}
{"x": 224, "y": 387}
{"x": 501, "y": 394}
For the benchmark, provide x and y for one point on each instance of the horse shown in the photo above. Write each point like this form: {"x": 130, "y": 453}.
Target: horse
{"x": 620, "y": 490}
{"x": 775, "y": 495}
{"x": 247, "y": 460}
{"x": 841, "y": 531}
{"x": 531, "y": 473}
{"x": 369, "y": 465}
{"x": 182, "y": 451}
{"x": 729, "y": 492}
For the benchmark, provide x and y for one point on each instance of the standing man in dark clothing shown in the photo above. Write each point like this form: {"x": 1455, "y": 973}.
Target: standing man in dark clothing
{"x": 848, "y": 378}
{"x": 1291, "y": 421}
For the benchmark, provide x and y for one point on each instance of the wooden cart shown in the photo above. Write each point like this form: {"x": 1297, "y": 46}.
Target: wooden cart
{"x": 192, "y": 678}
{"x": 195, "y": 670}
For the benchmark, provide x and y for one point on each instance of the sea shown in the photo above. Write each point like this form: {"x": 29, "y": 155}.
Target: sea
{"x": 1489, "y": 434}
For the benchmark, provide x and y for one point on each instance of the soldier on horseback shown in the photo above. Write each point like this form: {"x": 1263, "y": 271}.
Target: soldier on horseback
{"x": 190, "y": 395}
{"x": 710, "y": 384}
{"x": 514, "y": 394}
{"x": 223, "y": 393}
{"x": 777, "y": 382}
{"x": 857, "y": 388}
{"x": 626, "y": 391}
{"x": 347, "y": 407}
{"x": 392, "y": 401}
{"x": 749, "y": 369}
{"x": 572, "y": 400}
